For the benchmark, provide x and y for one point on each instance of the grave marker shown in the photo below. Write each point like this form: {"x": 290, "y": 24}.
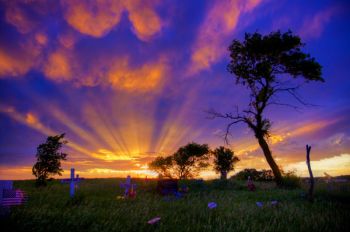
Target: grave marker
{"x": 10, "y": 196}
{"x": 5, "y": 185}
{"x": 129, "y": 188}
{"x": 72, "y": 184}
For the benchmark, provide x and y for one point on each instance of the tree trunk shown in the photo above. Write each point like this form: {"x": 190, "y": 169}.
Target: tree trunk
{"x": 223, "y": 175}
{"x": 276, "y": 171}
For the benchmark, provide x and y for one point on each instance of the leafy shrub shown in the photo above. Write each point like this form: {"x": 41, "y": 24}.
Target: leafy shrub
{"x": 291, "y": 180}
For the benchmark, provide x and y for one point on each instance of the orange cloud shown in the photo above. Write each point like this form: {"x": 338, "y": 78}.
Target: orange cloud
{"x": 58, "y": 67}
{"x": 13, "y": 66}
{"x": 65, "y": 65}
{"x": 144, "y": 19}
{"x": 95, "y": 18}
{"x": 98, "y": 18}
{"x": 147, "y": 77}
{"x": 219, "y": 23}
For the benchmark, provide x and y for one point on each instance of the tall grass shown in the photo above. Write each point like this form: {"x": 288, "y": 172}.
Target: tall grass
{"x": 97, "y": 208}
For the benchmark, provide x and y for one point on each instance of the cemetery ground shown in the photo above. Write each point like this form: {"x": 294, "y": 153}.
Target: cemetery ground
{"x": 97, "y": 206}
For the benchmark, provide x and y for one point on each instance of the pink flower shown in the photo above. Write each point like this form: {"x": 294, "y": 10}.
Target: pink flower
{"x": 154, "y": 220}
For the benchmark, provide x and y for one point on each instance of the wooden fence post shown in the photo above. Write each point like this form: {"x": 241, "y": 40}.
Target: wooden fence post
{"x": 311, "y": 188}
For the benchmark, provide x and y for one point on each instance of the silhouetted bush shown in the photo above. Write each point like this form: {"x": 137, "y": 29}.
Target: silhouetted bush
{"x": 255, "y": 175}
{"x": 291, "y": 180}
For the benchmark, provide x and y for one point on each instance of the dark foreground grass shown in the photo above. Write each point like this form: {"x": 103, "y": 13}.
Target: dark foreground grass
{"x": 97, "y": 208}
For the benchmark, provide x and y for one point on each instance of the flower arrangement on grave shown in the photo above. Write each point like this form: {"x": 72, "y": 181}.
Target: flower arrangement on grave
{"x": 132, "y": 192}
{"x": 129, "y": 188}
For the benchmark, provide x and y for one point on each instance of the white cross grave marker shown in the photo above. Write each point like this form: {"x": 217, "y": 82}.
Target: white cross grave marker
{"x": 128, "y": 186}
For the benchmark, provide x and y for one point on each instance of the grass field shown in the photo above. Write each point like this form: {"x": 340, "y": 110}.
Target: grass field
{"x": 97, "y": 208}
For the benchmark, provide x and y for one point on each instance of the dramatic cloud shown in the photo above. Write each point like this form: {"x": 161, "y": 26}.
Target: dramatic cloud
{"x": 94, "y": 18}
{"x": 10, "y": 65}
{"x": 144, "y": 19}
{"x": 214, "y": 33}
{"x": 58, "y": 67}
{"x": 97, "y": 18}
{"x": 65, "y": 63}
{"x": 146, "y": 77}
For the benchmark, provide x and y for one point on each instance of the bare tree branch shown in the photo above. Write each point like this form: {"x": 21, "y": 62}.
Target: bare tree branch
{"x": 297, "y": 108}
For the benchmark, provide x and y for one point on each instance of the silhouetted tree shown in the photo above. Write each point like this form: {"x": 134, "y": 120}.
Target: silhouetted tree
{"x": 163, "y": 166}
{"x": 49, "y": 159}
{"x": 190, "y": 159}
{"x": 262, "y": 64}
{"x": 224, "y": 161}
{"x": 185, "y": 163}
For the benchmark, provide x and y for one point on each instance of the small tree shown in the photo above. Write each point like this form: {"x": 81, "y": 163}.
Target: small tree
{"x": 190, "y": 159}
{"x": 162, "y": 166}
{"x": 185, "y": 163}
{"x": 262, "y": 64}
{"x": 49, "y": 159}
{"x": 224, "y": 161}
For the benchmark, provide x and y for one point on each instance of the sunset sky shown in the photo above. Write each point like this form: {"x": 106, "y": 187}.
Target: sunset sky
{"x": 131, "y": 80}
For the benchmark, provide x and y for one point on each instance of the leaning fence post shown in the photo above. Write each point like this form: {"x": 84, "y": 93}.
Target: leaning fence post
{"x": 311, "y": 188}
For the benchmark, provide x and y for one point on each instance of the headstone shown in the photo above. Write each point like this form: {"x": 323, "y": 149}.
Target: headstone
{"x": 5, "y": 185}
{"x": 129, "y": 188}
{"x": 72, "y": 183}
{"x": 12, "y": 197}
